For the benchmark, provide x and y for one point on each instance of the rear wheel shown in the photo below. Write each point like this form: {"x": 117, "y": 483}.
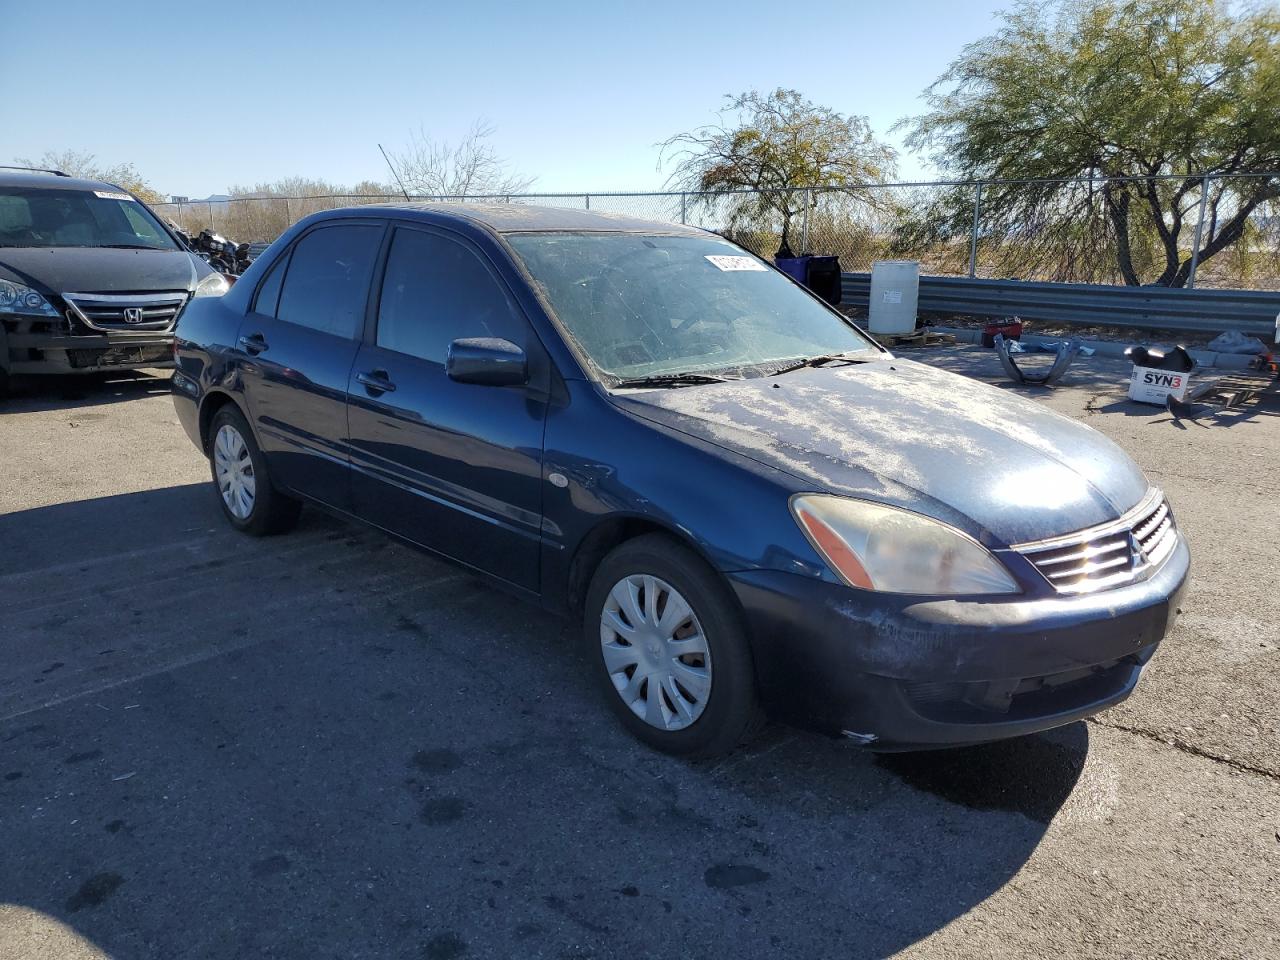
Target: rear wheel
{"x": 670, "y": 649}
{"x": 243, "y": 483}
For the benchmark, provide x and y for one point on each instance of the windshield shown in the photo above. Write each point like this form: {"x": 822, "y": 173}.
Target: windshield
{"x": 644, "y": 306}
{"x": 44, "y": 217}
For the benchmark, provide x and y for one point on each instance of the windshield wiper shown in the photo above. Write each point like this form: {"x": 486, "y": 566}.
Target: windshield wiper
{"x": 818, "y": 361}
{"x": 130, "y": 246}
{"x": 671, "y": 380}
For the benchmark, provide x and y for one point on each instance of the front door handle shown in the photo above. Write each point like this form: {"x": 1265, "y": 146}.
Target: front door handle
{"x": 254, "y": 343}
{"x": 376, "y": 381}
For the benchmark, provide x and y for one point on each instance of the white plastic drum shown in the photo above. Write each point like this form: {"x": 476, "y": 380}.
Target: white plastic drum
{"x": 895, "y": 292}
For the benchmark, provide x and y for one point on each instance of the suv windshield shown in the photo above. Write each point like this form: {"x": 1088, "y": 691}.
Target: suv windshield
{"x": 648, "y": 306}
{"x": 46, "y": 217}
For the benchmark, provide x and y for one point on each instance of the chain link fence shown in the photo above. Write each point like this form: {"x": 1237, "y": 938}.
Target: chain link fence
{"x": 992, "y": 229}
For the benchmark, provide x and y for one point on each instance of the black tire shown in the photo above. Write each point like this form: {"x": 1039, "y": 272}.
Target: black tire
{"x": 272, "y": 511}
{"x": 732, "y": 713}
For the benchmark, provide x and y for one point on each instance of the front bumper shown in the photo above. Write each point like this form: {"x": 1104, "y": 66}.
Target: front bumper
{"x": 32, "y": 352}
{"x": 896, "y": 673}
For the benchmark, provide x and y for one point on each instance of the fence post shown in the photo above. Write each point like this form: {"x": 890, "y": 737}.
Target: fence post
{"x": 1195, "y": 246}
{"x": 213, "y": 224}
{"x": 804, "y": 222}
{"x": 684, "y": 216}
{"x": 973, "y": 237}
{"x": 288, "y": 213}
{"x": 586, "y": 198}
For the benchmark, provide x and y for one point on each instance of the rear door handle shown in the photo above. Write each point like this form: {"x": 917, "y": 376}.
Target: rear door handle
{"x": 254, "y": 343}
{"x": 376, "y": 381}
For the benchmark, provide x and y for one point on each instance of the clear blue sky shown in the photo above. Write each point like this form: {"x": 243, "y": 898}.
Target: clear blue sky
{"x": 580, "y": 92}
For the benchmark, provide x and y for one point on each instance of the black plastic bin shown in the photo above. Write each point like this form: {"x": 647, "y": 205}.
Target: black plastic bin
{"x": 824, "y": 278}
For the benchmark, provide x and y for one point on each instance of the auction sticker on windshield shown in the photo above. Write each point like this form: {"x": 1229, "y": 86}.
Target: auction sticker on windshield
{"x": 111, "y": 196}
{"x": 735, "y": 263}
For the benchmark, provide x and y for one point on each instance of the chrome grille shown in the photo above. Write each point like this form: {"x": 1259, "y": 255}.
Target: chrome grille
{"x": 1109, "y": 555}
{"x": 127, "y": 311}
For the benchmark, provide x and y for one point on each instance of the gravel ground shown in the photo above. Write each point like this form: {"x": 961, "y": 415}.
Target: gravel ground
{"x": 326, "y": 745}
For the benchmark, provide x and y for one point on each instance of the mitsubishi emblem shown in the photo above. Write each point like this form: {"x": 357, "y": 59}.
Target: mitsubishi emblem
{"x": 1135, "y": 550}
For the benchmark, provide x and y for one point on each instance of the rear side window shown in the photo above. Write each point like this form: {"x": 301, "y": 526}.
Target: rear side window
{"x": 327, "y": 283}
{"x": 269, "y": 293}
{"x": 436, "y": 291}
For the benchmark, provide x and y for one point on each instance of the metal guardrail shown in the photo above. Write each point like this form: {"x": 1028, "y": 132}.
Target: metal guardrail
{"x": 1210, "y": 311}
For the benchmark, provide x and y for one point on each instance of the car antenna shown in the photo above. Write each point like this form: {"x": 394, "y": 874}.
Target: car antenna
{"x": 393, "y": 172}
{"x": 56, "y": 173}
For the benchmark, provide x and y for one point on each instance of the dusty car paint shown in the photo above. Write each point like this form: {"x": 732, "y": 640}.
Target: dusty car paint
{"x": 904, "y": 433}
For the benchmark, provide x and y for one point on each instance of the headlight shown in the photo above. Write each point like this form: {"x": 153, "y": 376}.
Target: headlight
{"x": 875, "y": 547}
{"x": 214, "y": 285}
{"x": 19, "y": 298}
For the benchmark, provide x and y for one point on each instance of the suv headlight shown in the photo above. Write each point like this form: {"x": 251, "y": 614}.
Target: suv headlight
{"x": 19, "y": 298}
{"x": 214, "y": 285}
{"x": 874, "y": 547}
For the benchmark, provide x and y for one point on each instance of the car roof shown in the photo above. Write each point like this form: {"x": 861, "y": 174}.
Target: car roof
{"x": 525, "y": 217}
{"x": 19, "y": 178}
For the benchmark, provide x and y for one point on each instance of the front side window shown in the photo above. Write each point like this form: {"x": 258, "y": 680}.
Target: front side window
{"x": 326, "y": 285}
{"x": 643, "y": 306}
{"x": 44, "y": 217}
{"x": 436, "y": 291}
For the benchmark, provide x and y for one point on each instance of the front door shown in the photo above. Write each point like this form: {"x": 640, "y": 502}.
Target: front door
{"x": 298, "y": 342}
{"x": 454, "y": 467}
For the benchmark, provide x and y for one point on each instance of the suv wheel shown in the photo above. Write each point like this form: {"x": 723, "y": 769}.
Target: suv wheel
{"x": 670, "y": 649}
{"x": 240, "y": 476}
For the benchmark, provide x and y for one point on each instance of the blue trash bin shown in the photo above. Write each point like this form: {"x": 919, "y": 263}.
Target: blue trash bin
{"x": 797, "y": 268}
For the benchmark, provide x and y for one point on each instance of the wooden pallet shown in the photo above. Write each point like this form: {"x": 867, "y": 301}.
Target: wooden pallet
{"x": 920, "y": 337}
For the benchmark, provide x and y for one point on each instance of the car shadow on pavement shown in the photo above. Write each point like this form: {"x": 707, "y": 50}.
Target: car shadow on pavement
{"x": 324, "y": 744}
{"x": 69, "y": 391}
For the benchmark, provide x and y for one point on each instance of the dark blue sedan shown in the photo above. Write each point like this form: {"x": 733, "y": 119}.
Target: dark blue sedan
{"x": 752, "y": 506}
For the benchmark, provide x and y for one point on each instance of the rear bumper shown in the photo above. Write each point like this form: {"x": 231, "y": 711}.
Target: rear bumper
{"x": 897, "y": 673}
{"x": 186, "y": 404}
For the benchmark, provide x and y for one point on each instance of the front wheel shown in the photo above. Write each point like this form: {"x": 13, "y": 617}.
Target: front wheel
{"x": 249, "y": 501}
{"x": 670, "y": 649}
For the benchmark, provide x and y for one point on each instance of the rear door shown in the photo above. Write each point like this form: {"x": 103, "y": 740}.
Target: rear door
{"x": 298, "y": 343}
{"x": 452, "y": 466}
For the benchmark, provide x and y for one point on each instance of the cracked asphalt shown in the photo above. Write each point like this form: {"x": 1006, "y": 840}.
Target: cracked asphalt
{"x": 326, "y": 745}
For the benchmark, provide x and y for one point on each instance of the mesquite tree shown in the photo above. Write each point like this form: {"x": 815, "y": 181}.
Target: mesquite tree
{"x": 774, "y": 145}
{"x": 1113, "y": 89}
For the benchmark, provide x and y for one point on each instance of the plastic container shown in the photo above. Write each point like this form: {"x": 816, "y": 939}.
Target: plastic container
{"x": 824, "y": 278}
{"x": 797, "y": 268}
{"x": 895, "y": 293}
{"x": 1009, "y": 329}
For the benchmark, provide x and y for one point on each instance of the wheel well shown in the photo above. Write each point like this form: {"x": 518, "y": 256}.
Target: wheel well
{"x": 208, "y": 410}
{"x": 603, "y": 538}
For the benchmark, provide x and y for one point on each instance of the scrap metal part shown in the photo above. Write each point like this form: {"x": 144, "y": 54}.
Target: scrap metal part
{"x": 1066, "y": 351}
{"x": 1225, "y": 394}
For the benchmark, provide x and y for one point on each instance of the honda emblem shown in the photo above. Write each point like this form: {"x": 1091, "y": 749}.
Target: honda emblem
{"x": 132, "y": 314}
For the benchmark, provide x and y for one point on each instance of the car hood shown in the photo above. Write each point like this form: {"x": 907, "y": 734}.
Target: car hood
{"x": 101, "y": 269}
{"x": 1003, "y": 468}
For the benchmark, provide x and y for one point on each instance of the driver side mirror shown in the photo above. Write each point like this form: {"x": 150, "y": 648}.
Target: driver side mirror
{"x": 487, "y": 361}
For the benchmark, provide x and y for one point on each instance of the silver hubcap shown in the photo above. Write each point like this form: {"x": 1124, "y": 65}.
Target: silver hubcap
{"x": 234, "y": 469}
{"x": 655, "y": 652}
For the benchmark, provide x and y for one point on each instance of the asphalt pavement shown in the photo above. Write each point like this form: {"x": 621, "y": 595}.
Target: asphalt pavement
{"x": 327, "y": 745}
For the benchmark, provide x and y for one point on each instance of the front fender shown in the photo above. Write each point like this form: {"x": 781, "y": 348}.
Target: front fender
{"x": 602, "y": 463}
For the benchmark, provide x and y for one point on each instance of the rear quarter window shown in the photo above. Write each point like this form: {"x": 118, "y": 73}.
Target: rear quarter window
{"x": 268, "y": 296}
{"x": 326, "y": 286}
